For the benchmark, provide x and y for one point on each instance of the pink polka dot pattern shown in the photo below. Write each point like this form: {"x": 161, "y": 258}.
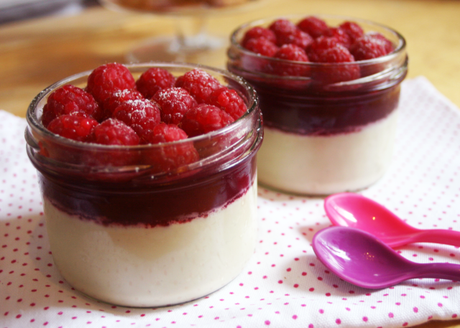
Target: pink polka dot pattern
{"x": 284, "y": 285}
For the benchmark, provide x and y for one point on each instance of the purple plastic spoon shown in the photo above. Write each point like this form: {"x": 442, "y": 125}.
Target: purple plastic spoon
{"x": 357, "y": 211}
{"x": 365, "y": 261}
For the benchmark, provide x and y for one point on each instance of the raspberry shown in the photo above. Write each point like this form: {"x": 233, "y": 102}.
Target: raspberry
{"x": 319, "y": 46}
{"x": 70, "y": 100}
{"x": 337, "y": 54}
{"x": 142, "y": 115}
{"x": 114, "y": 100}
{"x": 108, "y": 79}
{"x": 198, "y": 83}
{"x": 114, "y": 132}
{"x": 154, "y": 80}
{"x": 73, "y": 127}
{"x": 287, "y": 32}
{"x": 368, "y": 48}
{"x": 262, "y": 47}
{"x": 204, "y": 118}
{"x": 228, "y": 100}
{"x": 353, "y": 30}
{"x": 282, "y": 26}
{"x": 174, "y": 103}
{"x": 47, "y": 116}
{"x": 313, "y": 26}
{"x": 340, "y": 34}
{"x": 388, "y": 44}
{"x": 257, "y": 32}
{"x": 170, "y": 157}
{"x": 291, "y": 52}
{"x": 297, "y": 37}
{"x": 335, "y": 73}
{"x": 167, "y": 133}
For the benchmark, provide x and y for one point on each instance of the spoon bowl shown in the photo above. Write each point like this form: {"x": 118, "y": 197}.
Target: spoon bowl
{"x": 356, "y": 211}
{"x": 362, "y": 259}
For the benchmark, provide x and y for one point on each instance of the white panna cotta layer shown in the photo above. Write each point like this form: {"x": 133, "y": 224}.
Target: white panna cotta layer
{"x": 154, "y": 266}
{"x": 321, "y": 165}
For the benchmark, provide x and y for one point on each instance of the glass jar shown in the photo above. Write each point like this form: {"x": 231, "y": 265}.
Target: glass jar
{"x": 133, "y": 233}
{"x": 324, "y": 134}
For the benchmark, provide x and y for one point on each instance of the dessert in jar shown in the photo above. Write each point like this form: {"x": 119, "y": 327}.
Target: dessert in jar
{"x": 329, "y": 91}
{"x": 148, "y": 177}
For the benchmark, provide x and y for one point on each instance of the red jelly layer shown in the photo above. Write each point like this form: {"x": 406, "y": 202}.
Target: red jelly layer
{"x": 150, "y": 204}
{"x": 312, "y": 113}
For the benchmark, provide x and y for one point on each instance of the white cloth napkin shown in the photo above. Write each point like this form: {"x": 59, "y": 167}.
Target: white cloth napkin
{"x": 284, "y": 285}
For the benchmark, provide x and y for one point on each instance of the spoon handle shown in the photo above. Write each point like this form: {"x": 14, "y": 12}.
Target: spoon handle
{"x": 439, "y": 270}
{"x": 439, "y": 236}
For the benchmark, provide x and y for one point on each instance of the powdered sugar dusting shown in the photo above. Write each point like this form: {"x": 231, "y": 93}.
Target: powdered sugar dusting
{"x": 122, "y": 93}
{"x": 171, "y": 93}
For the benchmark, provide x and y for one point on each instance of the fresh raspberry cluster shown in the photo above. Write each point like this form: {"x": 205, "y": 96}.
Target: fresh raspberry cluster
{"x": 116, "y": 109}
{"x": 312, "y": 40}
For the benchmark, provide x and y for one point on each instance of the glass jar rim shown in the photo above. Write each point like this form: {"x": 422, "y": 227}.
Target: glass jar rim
{"x": 34, "y": 122}
{"x": 373, "y": 74}
{"x": 400, "y": 47}
{"x": 218, "y": 149}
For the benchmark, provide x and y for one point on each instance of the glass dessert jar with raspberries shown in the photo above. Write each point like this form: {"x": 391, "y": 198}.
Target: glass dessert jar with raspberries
{"x": 329, "y": 90}
{"x": 148, "y": 177}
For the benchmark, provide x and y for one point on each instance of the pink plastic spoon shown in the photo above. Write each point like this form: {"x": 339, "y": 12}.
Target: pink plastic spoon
{"x": 357, "y": 211}
{"x": 362, "y": 259}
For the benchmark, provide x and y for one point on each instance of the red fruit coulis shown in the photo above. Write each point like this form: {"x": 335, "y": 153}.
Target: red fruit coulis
{"x": 308, "y": 113}
{"x": 140, "y": 201}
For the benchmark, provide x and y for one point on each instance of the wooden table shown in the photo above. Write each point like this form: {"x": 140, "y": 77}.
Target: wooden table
{"x": 36, "y": 53}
